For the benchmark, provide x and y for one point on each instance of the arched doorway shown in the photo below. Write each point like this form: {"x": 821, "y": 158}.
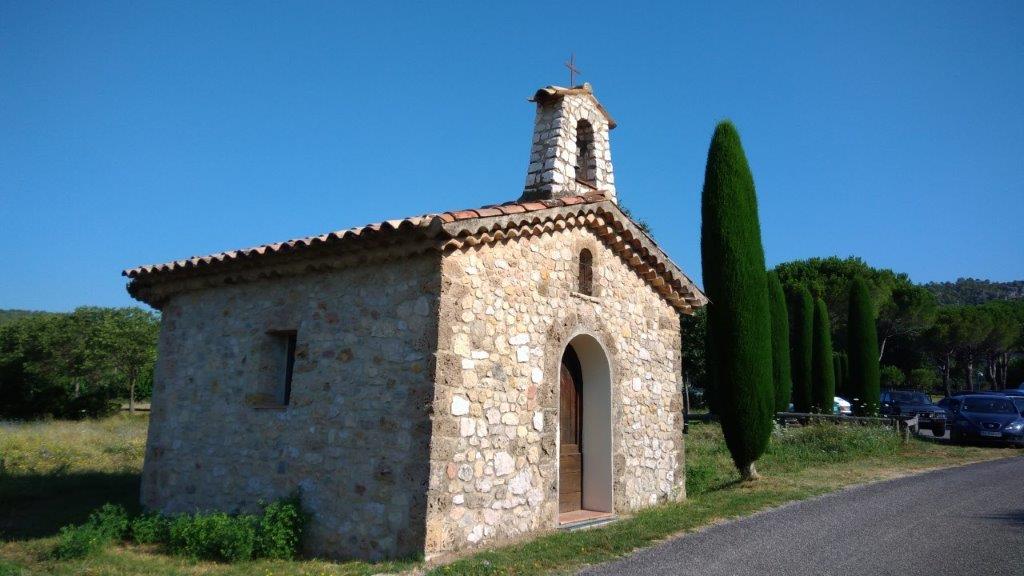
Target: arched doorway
{"x": 585, "y": 431}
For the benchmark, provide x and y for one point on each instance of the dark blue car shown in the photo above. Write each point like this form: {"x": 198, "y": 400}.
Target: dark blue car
{"x": 1017, "y": 397}
{"x": 985, "y": 418}
{"x": 906, "y": 404}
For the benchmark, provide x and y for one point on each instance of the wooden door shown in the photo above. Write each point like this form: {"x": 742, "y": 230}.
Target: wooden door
{"x": 570, "y": 467}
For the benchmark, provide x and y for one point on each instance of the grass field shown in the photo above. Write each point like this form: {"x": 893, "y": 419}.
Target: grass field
{"x": 55, "y": 473}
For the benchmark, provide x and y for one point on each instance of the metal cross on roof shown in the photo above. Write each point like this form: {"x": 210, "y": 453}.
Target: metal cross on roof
{"x": 573, "y": 71}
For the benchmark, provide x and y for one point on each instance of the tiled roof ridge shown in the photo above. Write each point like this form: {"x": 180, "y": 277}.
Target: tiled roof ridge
{"x": 425, "y": 221}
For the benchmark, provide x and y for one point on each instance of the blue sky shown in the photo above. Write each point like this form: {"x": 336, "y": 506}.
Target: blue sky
{"x": 140, "y": 132}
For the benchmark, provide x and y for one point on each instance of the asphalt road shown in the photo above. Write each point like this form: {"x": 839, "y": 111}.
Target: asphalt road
{"x": 961, "y": 521}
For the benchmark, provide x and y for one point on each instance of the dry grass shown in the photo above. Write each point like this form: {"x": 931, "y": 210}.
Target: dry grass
{"x": 113, "y": 445}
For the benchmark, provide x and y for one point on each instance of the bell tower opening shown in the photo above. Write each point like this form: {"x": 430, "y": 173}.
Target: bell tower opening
{"x": 585, "y": 164}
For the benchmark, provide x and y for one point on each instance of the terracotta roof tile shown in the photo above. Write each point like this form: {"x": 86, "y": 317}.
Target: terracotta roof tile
{"x": 410, "y": 223}
{"x": 512, "y": 208}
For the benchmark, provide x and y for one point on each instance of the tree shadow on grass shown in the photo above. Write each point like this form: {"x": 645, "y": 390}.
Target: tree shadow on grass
{"x": 37, "y": 505}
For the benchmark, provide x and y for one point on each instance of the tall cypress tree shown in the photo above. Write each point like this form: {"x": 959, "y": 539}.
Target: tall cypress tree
{"x": 862, "y": 343}
{"x": 739, "y": 319}
{"x": 801, "y": 325}
{"x": 781, "y": 377}
{"x": 823, "y": 382}
{"x": 837, "y": 369}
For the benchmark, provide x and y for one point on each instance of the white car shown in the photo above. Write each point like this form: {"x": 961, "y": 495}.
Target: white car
{"x": 841, "y": 407}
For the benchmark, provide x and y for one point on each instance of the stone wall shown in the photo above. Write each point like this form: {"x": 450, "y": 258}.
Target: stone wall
{"x": 507, "y": 311}
{"x": 355, "y": 436}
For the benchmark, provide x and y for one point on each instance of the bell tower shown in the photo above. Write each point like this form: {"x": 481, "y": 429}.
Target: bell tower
{"x": 570, "y": 154}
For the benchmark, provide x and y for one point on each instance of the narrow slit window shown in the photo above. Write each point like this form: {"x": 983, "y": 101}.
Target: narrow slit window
{"x": 586, "y": 272}
{"x": 282, "y": 366}
{"x": 289, "y": 368}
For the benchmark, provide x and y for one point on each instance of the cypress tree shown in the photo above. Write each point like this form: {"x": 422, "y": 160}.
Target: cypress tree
{"x": 801, "y": 309}
{"x": 862, "y": 343}
{"x": 823, "y": 382}
{"x": 781, "y": 378}
{"x": 739, "y": 319}
{"x": 837, "y": 369}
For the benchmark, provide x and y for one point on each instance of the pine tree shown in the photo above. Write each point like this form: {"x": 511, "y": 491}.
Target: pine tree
{"x": 823, "y": 383}
{"x": 739, "y": 319}
{"x": 862, "y": 343}
{"x": 801, "y": 325}
{"x": 781, "y": 377}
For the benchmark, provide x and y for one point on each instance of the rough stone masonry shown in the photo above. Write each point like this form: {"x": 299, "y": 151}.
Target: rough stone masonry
{"x": 404, "y": 376}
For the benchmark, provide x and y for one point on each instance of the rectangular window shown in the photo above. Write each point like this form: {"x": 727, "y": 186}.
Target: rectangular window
{"x": 283, "y": 365}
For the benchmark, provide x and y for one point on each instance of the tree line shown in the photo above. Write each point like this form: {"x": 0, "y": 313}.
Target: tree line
{"x": 77, "y": 364}
{"x": 811, "y": 329}
{"x": 923, "y": 344}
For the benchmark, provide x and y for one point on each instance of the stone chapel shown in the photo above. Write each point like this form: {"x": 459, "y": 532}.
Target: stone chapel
{"x": 434, "y": 383}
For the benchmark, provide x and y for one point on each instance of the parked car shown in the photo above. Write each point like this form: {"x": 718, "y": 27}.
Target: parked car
{"x": 986, "y": 417}
{"x": 841, "y": 407}
{"x": 1017, "y": 397}
{"x": 905, "y": 404}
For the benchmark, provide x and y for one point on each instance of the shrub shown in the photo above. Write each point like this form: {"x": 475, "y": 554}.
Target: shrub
{"x": 280, "y": 528}
{"x": 111, "y": 520}
{"x": 213, "y": 536}
{"x": 924, "y": 379}
{"x": 892, "y": 377}
{"x": 150, "y": 529}
{"x": 80, "y": 541}
{"x": 105, "y": 525}
{"x": 739, "y": 341}
{"x": 275, "y": 533}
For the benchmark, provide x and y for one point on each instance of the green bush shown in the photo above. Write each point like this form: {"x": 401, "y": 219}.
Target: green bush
{"x": 111, "y": 520}
{"x": 274, "y": 533}
{"x": 80, "y": 541}
{"x": 105, "y": 525}
{"x": 213, "y": 536}
{"x": 280, "y": 528}
{"x": 150, "y": 529}
{"x": 924, "y": 379}
{"x": 892, "y": 377}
